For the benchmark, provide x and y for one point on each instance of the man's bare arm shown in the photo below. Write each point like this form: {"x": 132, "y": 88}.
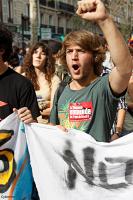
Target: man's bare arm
{"x": 94, "y": 10}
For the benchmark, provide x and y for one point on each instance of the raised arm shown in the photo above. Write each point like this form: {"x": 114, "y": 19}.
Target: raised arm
{"x": 94, "y": 10}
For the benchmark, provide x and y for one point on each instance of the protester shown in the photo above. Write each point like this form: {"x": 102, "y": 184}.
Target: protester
{"x": 21, "y": 55}
{"x": 122, "y": 106}
{"x": 89, "y": 102}
{"x": 107, "y": 64}
{"x": 16, "y": 92}
{"x": 60, "y": 70}
{"x": 13, "y": 61}
{"x": 39, "y": 67}
{"x": 124, "y": 122}
{"x": 128, "y": 122}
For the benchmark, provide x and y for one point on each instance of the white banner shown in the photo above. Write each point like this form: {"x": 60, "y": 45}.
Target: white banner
{"x": 71, "y": 166}
{"x": 15, "y": 170}
{"x": 74, "y": 166}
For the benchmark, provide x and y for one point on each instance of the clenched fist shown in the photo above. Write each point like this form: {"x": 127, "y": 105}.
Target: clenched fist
{"x": 92, "y": 10}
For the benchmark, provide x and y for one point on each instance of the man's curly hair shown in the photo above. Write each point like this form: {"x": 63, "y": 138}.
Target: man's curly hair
{"x": 6, "y": 40}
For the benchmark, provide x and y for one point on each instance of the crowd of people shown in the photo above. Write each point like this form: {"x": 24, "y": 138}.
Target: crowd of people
{"x": 89, "y": 101}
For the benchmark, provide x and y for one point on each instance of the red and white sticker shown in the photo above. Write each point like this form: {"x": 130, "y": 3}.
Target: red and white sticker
{"x": 3, "y": 103}
{"x": 80, "y": 111}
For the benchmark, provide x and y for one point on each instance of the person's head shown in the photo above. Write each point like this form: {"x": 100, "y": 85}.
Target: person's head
{"x": 131, "y": 50}
{"x": 13, "y": 60}
{"x": 130, "y": 42}
{"x": 22, "y": 51}
{"x": 89, "y": 55}
{"x": 40, "y": 58}
{"x": 27, "y": 49}
{"x": 15, "y": 49}
{"x": 5, "y": 43}
{"x": 55, "y": 46}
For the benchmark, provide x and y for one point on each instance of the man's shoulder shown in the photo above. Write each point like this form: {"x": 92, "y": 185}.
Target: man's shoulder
{"x": 16, "y": 77}
{"x": 101, "y": 80}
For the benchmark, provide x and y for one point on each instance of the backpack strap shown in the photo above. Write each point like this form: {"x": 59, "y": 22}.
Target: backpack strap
{"x": 59, "y": 91}
{"x": 62, "y": 86}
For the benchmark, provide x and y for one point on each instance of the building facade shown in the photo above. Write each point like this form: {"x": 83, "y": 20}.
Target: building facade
{"x": 53, "y": 17}
{"x": 57, "y": 17}
{"x": 122, "y": 12}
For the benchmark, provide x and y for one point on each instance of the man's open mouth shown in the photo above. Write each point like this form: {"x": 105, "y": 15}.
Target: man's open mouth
{"x": 75, "y": 67}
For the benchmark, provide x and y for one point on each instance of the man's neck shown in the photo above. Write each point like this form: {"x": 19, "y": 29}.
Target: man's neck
{"x": 78, "y": 85}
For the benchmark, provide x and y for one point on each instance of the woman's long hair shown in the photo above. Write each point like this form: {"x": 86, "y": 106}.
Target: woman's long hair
{"x": 48, "y": 69}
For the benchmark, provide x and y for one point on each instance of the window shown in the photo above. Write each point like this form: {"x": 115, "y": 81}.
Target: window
{"x": 27, "y": 10}
{"x": 10, "y": 7}
{"x": 50, "y": 20}
{"x": 10, "y": 10}
{"x": 42, "y": 18}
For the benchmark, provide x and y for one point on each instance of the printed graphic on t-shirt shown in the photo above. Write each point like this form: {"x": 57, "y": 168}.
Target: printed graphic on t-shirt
{"x": 76, "y": 115}
{"x": 80, "y": 111}
{"x": 3, "y": 103}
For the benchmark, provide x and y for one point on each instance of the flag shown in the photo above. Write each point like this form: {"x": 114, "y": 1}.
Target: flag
{"x": 15, "y": 170}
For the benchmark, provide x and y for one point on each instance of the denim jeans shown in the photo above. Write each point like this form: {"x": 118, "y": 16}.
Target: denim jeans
{"x": 125, "y": 132}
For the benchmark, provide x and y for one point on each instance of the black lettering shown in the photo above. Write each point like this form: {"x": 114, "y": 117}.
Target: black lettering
{"x": 88, "y": 171}
{"x": 129, "y": 171}
{"x": 88, "y": 164}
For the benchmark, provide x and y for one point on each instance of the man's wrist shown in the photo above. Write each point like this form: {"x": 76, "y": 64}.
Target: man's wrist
{"x": 118, "y": 129}
{"x": 117, "y": 133}
{"x": 108, "y": 19}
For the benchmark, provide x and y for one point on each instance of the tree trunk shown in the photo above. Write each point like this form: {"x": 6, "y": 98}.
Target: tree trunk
{"x": 34, "y": 21}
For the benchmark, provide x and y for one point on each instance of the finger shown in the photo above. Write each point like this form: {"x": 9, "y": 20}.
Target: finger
{"x": 22, "y": 110}
{"x": 84, "y": 7}
{"x": 26, "y": 116}
{"x": 24, "y": 113}
{"x": 62, "y": 128}
{"x": 27, "y": 119}
{"x": 15, "y": 110}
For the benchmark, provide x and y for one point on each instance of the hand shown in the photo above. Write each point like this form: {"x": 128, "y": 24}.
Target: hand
{"x": 60, "y": 127}
{"x": 24, "y": 114}
{"x": 114, "y": 137}
{"x": 45, "y": 112}
{"x": 92, "y": 10}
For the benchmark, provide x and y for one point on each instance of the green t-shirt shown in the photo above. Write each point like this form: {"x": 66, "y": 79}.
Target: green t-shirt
{"x": 91, "y": 109}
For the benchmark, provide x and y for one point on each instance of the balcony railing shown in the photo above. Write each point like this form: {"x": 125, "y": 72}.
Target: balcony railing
{"x": 65, "y": 7}
{"x": 51, "y": 4}
{"x": 43, "y": 2}
{"x": 48, "y": 3}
